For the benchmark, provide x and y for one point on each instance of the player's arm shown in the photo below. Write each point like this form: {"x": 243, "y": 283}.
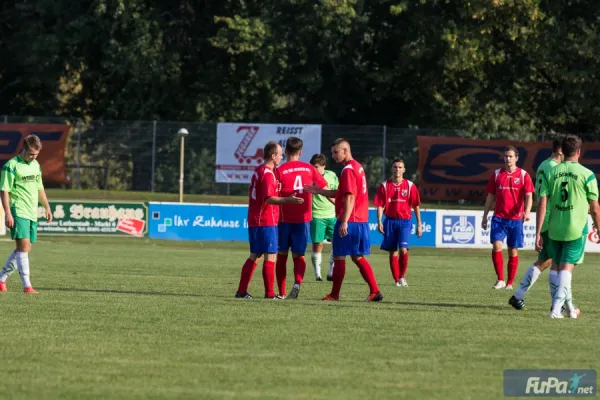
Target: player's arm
{"x": 7, "y": 180}
{"x": 379, "y": 219}
{"x": 291, "y": 199}
{"x": 8, "y": 218}
{"x": 380, "y": 203}
{"x": 417, "y": 210}
{"x": 315, "y": 189}
{"x": 270, "y": 192}
{"x": 349, "y": 200}
{"x": 415, "y": 201}
{"x": 528, "y": 204}
{"x": 44, "y": 200}
{"x": 489, "y": 200}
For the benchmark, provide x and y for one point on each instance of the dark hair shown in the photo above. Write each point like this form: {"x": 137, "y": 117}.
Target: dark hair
{"x": 570, "y": 144}
{"x": 270, "y": 149}
{"x": 293, "y": 145}
{"x": 557, "y": 143}
{"x": 397, "y": 160}
{"x": 338, "y": 141}
{"x": 318, "y": 159}
{"x": 513, "y": 149}
{"x": 32, "y": 142}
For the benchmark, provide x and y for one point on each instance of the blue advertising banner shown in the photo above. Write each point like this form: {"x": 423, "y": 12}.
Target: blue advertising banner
{"x": 227, "y": 222}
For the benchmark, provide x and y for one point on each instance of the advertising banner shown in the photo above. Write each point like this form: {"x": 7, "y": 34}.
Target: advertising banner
{"x": 458, "y": 168}
{"x": 95, "y": 218}
{"x": 240, "y": 147}
{"x": 52, "y": 156}
{"x": 428, "y": 222}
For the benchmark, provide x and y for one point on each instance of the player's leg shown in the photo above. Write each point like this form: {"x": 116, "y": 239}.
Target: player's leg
{"x": 250, "y": 263}
{"x": 299, "y": 242}
{"x": 26, "y": 235}
{"x": 361, "y": 239}
{"x": 390, "y": 244}
{"x": 404, "y": 246}
{"x": 329, "y": 227}
{"x": 317, "y": 235}
{"x": 497, "y": 235}
{"x": 284, "y": 232}
{"x": 10, "y": 266}
{"x": 341, "y": 247}
{"x": 534, "y": 271}
{"x": 514, "y": 241}
{"x": 558, "y": 298}
{"x": 269, "y": 246}
{"x": 573, "y": 253}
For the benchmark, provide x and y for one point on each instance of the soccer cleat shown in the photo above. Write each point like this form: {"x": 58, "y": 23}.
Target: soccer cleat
{"x": 499, "y": 285}
{"x": 329, "y": 278}
{"x": 29, "y": 290}
{"x": 403, "y": 282}
{"x": 397, "y": 283}
{"x": 508, "y": 287}
{"x": 295, "y": 291}
{"x": 246, "y": 296}
{"x": 276, "y": 297}
{"x": 319, "y": 279}
{"x": 374, "y": 297}
{"x": 3, "y": 287}
{"x": 329, "y": 297}
{"x": 552, "y": 315}
{"x": 575, "y": 313}
{"x": 516, "y": 303}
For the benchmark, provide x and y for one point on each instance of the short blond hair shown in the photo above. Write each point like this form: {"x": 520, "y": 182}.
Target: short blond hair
{"x": 32, "y": 142}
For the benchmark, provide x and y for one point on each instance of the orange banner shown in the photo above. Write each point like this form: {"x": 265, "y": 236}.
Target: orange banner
{"x": 52, "y": 156}
{"x": 458, "y": 169}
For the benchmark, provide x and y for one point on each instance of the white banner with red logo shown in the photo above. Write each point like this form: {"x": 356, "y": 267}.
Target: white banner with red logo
{"x": 240, "y": 146}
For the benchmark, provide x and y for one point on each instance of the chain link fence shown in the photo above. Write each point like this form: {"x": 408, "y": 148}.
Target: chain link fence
{"x": 145, "y": 155}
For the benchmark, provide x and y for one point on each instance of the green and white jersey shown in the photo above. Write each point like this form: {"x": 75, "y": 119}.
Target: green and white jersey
{"x": 569, "y": 187}
{"x": 23, "y": 180}
{"x": 321, "y": 206}
{"x": 540, "y": 176}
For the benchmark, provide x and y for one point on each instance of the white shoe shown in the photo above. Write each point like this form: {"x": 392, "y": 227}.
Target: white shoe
{"x": 397, "y": 283}
{"x": 508, "y": 287}
{"x": 552, "y": 315}
{"x": 403, "y": 282}
{"x": 575, "y": 313}
{"x": 499, "y": 285}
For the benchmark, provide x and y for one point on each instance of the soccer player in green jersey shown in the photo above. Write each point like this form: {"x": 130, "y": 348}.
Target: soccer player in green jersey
{"x": 21, "y": 188}
{"x": 544, "y": 260}
{"x": 323, "y": 222}
{"x": 569, "y": 193}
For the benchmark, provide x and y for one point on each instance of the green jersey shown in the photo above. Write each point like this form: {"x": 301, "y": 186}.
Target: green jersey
{"x": 23, "y": 180}
{"x": 540, "y": 176}
{"x": 321, "y": 206}
{"x": 569, "y": 187}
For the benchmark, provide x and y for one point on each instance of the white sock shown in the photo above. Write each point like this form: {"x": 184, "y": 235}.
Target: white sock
{"x": 552, "y": 283}
{"x": 331, "y": 264}
{"x": 23, "y": 265}
{"x": 316, "y": 262}
{"x": 563, "y": 291}
{"x": 9, "y": 267}
{"x": 531, "y": 275}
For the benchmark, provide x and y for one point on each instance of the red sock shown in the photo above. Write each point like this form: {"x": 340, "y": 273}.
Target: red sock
{"x": 246, "y": 276}
{"x": 268, "y": 272}
{"x": 281, "y": 272}
{"x": 513, "y": 265}
{"x": 395, "y": 267}
{"x": 403, "y": 264}
{"x": 367, "y": 273}
{"x": 498, "y": 261}
{"x": 339, "y": 271}
{"x": 299, "y": 269}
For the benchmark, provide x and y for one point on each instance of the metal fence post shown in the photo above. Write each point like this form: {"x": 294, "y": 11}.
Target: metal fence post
{"x": 384, "y": 151}
{"x": 6, "y": 119}
{"x": 78, "y": 181}
{"x": 153, "y": 155}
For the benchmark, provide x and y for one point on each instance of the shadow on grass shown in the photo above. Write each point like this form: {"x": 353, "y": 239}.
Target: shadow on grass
{"x": 113, "y": 291}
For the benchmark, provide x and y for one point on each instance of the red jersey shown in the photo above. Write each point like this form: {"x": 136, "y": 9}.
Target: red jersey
{"x": 263, "y": 185}
{"x": 293, "y": 175}
{"x": 510, "y": 190}
{"x": 353, "y": 181}
{"x": 397, "y": 199}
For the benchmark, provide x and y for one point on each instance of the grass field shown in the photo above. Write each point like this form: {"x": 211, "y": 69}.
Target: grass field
{"x": 139, "y": 319}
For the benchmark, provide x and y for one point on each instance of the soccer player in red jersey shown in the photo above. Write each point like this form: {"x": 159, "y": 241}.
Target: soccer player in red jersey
{"x": 263, "y": 216}
{"x": 395, "y": 198}
{"x": 512, "y": 190}
{"x": 351, "y": 233}
{"x": 294, "y": 221}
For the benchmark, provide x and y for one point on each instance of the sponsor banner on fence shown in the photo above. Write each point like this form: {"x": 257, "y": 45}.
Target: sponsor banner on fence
{"x": 227, "y": 222}
{"x": 95, "y": 218}
{"x": 240, "y": 146}
{"x": 457, "y": 168}
{"x": 52, "y": 156}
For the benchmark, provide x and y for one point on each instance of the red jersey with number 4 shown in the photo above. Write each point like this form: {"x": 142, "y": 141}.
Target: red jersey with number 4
{"x": 293, "y": 175}
{"x": 262, "y": 186}
{"x": 510, "y": 189}
{"x": 397, "y": 199}
{"x": 353, "y": 181}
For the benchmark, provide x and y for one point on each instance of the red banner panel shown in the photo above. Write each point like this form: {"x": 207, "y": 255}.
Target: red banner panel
{"x": 458, "y": 169}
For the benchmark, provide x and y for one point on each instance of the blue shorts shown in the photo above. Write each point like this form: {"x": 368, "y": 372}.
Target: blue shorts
{"x": 294, "y": 236}
{"x": 397, "y": 233}
{"x": 356, "y": 243}
{"x": 263, "y": 239}
{"x": 511, "y": 229}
